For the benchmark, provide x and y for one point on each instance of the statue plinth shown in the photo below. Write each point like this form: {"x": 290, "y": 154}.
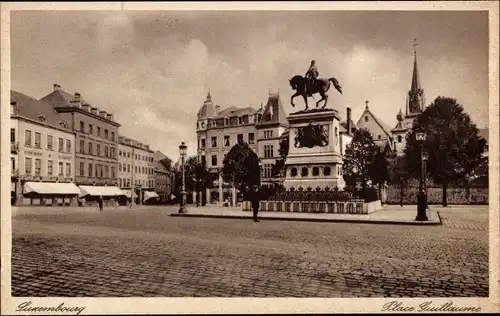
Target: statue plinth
{"x": 314, "y": 158}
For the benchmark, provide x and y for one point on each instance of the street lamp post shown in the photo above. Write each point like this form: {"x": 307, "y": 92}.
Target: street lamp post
{"x": 182, "y": 151}
{"x": 422, "y": 201}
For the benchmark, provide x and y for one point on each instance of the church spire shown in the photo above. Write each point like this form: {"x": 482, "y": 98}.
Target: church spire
{"x": 415, "y": 80}
{"x": 416, "y": 93}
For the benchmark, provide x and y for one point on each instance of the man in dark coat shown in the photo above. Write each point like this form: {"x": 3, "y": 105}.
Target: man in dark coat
{"x": 255, "y": 200}
{"x": 100, "y": 202}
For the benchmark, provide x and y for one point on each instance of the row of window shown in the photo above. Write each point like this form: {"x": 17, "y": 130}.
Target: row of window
{"x": 62, "y": 144}
{"x": 227, "y": 140}
{"x": 97, "y": 170}
{"x": 229, "y": 121}
{"x": 127, "y": 154}
{"x": 125, "y": 183}
{"x": 138, "y": 169}
{"x": 304, "y": 171}
{"x": 108, "y": 152}
{"x": 37, "y": 171}
{"x": 90, "y": 131}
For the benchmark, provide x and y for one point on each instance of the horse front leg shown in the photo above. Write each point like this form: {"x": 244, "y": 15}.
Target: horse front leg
{"x": 326, "y": 102}
{"x": 305, "y": 100}
{"x": 293, "y": 97}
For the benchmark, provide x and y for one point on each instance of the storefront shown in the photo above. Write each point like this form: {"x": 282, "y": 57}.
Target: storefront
{"x": 89, "y": 194}
{"x": 51, "y": 193}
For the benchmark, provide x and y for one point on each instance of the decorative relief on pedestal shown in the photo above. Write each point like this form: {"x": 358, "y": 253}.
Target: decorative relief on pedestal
{"x": 311, "y": 135}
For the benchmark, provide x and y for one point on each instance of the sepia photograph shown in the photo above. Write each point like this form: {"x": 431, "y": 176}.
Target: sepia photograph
{"x": 249, "y": 152}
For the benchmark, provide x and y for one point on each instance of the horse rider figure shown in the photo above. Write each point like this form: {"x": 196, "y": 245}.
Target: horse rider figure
{"x": 312, "y": 73}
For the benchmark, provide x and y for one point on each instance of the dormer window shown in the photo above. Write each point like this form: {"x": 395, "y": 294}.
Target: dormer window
{"x": 42, "y": 118}
{"x": 240, "y": 120}
{"x": 379, "y": 137}
{"x": 214, "y": 123}
{"x": 268, "y": 117}
{"x": 366, "y": 118}
{"x": 226, "y": 122}
{"x": 62, "y": 124}
{"x": 13, "y": 107}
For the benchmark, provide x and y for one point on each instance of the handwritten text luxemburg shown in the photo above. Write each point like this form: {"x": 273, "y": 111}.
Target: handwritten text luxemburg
{"x": 28, "y": 307}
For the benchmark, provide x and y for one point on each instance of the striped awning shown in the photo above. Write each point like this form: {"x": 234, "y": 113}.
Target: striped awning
{"x": 51, "y": 188}
{"x": 100, "y": 190}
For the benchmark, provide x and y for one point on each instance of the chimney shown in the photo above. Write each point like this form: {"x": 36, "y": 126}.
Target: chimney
{"x": 94, "y": 111}
{"x": 57, "y": 87}
{"x": 349, "y": 120}
{"x": 102, "y": 114}
{"x": 86, "y": 107}
{"x": 77, "y": 96}
{"x": 109, "y": 116}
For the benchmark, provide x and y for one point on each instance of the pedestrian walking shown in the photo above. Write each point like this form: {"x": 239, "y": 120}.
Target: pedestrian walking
{"x": 100, "y": 202}
{"x": 255, "y": 200}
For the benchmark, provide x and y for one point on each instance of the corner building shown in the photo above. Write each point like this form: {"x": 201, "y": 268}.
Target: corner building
{"x": 219, "y": 130}
{"x": 41, "y": 154}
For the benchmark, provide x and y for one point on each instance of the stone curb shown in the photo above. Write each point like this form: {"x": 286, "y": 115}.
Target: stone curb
{"x": 323, "y": 220}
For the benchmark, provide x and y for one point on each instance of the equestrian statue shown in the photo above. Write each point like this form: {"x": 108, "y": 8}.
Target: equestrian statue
{"x": 310, "y": 84}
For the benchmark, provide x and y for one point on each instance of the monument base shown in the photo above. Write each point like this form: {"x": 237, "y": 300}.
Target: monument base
{"x": 314, "y": 159}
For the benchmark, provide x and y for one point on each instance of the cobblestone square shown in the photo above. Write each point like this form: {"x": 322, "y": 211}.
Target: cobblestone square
{"x": 146, "y": 252}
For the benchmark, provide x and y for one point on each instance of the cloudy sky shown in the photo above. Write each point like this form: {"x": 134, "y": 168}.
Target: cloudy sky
{"x": 152, "y": 69}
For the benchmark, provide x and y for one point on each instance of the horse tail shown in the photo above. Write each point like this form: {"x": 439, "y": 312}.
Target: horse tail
{"x": 336, "y": 84}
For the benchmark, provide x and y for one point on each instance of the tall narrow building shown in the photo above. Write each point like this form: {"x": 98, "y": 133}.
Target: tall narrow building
{"x": 415, "y": 102}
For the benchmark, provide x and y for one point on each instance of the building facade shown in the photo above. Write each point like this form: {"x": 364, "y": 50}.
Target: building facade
{"x": 269, "y": 129}
{"x": 96, "y": 158}
{"x": 219, "y": 130}
{"x": 164, "y": 177}
{"x": 135, "y": 166}
{"x": 42, "y": 153}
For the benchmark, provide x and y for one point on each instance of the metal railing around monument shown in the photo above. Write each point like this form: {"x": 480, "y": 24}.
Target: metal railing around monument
{"x": 310, "y": 201}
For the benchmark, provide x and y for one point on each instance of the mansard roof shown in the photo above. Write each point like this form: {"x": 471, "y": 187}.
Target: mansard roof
{"x": 36, "y": 110}
{"x": 274, "y": 112}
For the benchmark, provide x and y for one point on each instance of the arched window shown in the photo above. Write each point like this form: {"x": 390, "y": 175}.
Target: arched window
{"x": 315, "y": 171}
{"x": 304, "y": 172}
{"x": 366, "y": 118}
{"x": 293, "y": 172}
{"x": 400, "y": 139}
{"x": 327, "y": 171}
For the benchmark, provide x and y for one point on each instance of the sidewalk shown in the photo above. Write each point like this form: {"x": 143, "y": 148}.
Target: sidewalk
{"x": 387, "y": 215}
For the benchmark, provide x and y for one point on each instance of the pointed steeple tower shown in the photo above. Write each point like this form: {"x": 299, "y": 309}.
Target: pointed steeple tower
{"x": 416, "y": 93}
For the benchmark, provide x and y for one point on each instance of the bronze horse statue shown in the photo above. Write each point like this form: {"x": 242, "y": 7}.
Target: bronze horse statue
{"x": 304, "y": 88}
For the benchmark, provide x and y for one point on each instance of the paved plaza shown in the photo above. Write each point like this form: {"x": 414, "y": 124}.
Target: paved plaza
{"x": 146, "y": 252}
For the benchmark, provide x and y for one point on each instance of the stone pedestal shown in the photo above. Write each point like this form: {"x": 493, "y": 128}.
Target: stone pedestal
{"x": 314, "y": 158}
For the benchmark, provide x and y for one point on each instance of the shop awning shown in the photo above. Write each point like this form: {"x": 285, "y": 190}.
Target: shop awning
{"x": 128, "y": 193}
{"x": 51, "y": 188}
{"x": 150, "y": 194}
{"x": 100, "y": 190}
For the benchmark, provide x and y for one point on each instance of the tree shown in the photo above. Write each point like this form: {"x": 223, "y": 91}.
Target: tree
{"x": 361, "y": 154}
{"x": 378, "y": 169}
{"x": 241, "y": 166}
{"x": 194, "y": 170}
{"x": 399, "y": 174}
{"x": 452, "y": 144}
